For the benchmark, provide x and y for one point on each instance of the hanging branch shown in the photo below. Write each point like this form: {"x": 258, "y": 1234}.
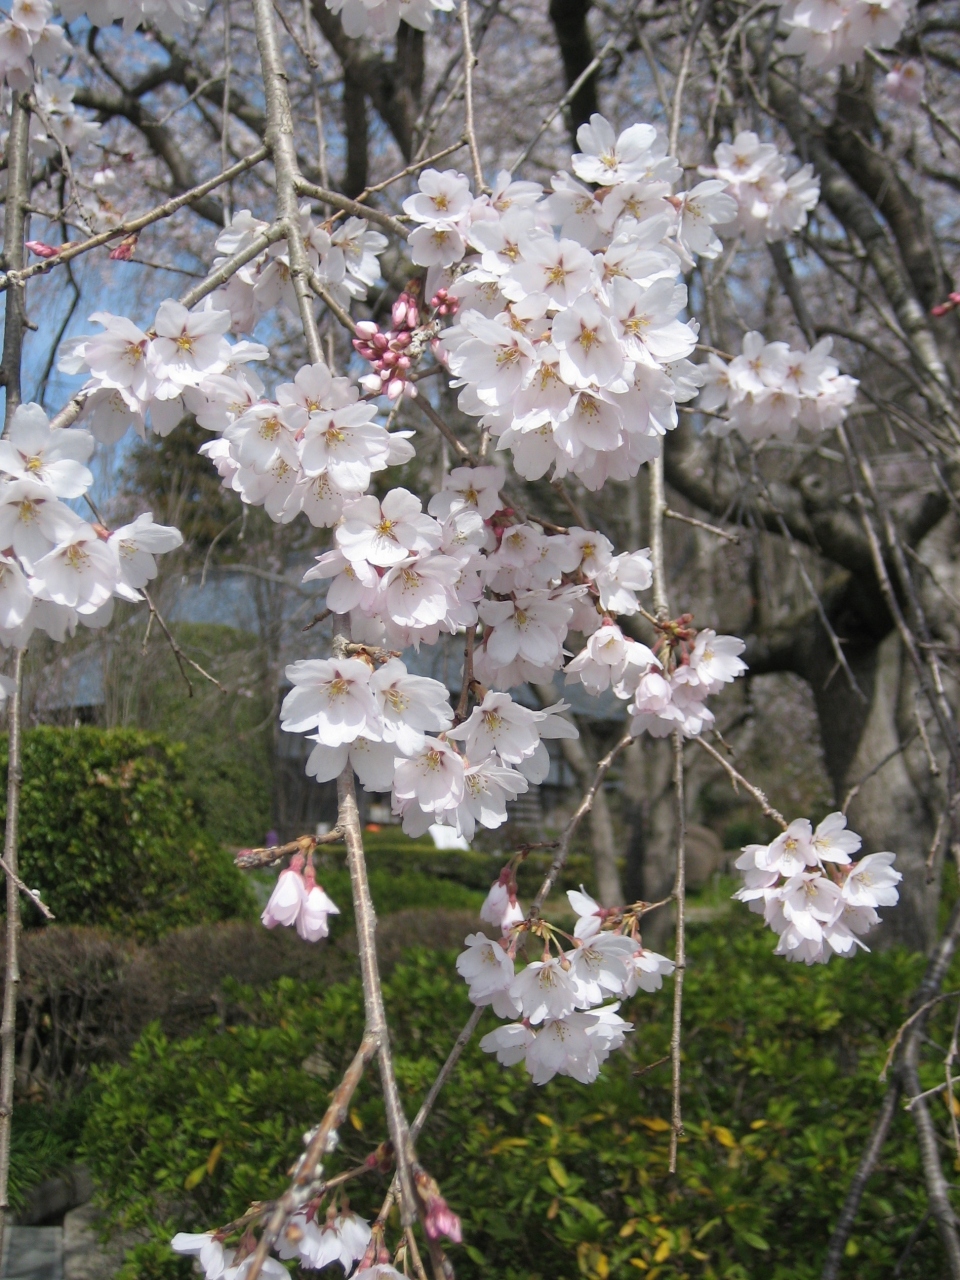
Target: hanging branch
{"x": 469, "y": 62}
{"x": 11, "y": 977}
{"x": 14, "y": 225}
{"x": 680, "y": 954}
{"x": 131, "y": 226}
{"x": 582, "y": 809}
{"x": 739, "y": 780}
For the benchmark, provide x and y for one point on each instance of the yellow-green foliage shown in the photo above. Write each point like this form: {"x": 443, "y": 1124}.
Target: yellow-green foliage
{"x": 568, "y": 1181}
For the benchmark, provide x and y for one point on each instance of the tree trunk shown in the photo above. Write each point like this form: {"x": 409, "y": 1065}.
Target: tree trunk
{"x": 893, "y": 809}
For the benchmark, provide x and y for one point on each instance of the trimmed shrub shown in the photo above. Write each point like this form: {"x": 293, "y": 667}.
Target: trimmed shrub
{"x": 110, "y": 837}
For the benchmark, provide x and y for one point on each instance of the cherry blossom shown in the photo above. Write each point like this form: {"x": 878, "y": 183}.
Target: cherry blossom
{"x": 811, "y": 894}
{"x": 486, "y": 966}
{"x": 500, "y": 907}
{"x": 54, "y": 457}
{"x": 833, "y": 33}
{"x": 769, "y": 206}
{"x": 771, "y": 390}
{"x": 904, "y": 82}
{"x": 332, "y": 697}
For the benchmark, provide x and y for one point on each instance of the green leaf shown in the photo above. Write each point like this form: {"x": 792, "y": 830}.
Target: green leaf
{"x": 754, "y": 1241}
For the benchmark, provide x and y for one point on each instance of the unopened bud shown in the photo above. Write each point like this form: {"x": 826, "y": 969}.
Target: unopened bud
{"x": 124, "y": 250}
{"x": 40, "y": 249}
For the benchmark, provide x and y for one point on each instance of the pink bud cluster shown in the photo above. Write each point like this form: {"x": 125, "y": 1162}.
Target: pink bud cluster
{"x": 388, "y": 351}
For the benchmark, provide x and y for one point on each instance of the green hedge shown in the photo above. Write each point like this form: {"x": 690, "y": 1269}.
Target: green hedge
{"x": 408, "y": 873}
{"x": 110, "y": 837}
{"x": 780, "y": 1092}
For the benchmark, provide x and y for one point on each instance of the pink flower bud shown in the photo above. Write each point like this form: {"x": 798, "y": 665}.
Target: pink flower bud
{"x": 413, "y": 315}
{"x": 403, "y": 339}
{"x": 398, "y": 313}
{"x": 381, "y": 341}
{"x": 442, "y": 1221}
{"x": 124, "y": 250}
{"x": 367, "y": 328}
{"x": 403, "y": 362}
{"x": 395, "y": 388}
{"x": 40, "y": 249}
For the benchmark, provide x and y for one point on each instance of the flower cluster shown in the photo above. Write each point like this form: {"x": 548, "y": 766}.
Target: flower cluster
{"x": 344, "y": 259}
{"x": 56, "y": 123}
{"x": 395, "y": 730}
{"x": 136, "y": 372}
{"x": 811, "y": 894}
{"x": 342, "y": 1238}
{"x": 668, "y": 691}
{"x": 298, "y": 900}
{"x": 770, "y": 206}
{"x": 769, "y": 390}
{"x": 403, "y": 576}
{"x": 834, "y": 33}
{"x": 30, "y": 42}
{"x": 55, "y": 568}
{"x": 218, "y": 1263}
{"x": 569, "y": 346}
{"x": 382, "y": 17}
{"x": 171, "y": 16}
{"x": 566, "y": 1024}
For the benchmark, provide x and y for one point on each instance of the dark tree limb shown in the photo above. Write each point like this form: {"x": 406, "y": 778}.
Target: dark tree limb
{"x": 355, "y": 126}
{"x": 159, "y": 139}
{"x": 569, "y": 18}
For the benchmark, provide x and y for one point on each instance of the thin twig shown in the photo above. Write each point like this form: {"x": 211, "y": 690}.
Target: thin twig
{"x": 739, "y": 780}
{"x": 443, "y": 1075}
{"x": 307, "y": 1177}
{"x": 851, "y": 1204}
{"x": 855, "y": 789}
{"x": 11, "y": 984}
{"x": 317, "y": 618}
{"x": 702, "y": 524}
{"x": 330, "y": 302}
{"x": 658, "y": 505}
{"x": 583, "y": 808}
{"x": 835, "y": 642}
{"x": 353, "y": 207}
{"x": 680, "y": 956}
{"x": 904, "y": 1026}
{"x": 589, "y": 70}
{"x": 458, "y": 445}
{"x": 366, "y": 925}
{"x": 676, "y": 113}
{"x": 178, "y": 653}
{"x": 469, "y": 62}
{"x": 132, "y": 225}
{"x": 246, "y": 859}
{"x": 27, "y": 893}
{"x": 411, "y": 169}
